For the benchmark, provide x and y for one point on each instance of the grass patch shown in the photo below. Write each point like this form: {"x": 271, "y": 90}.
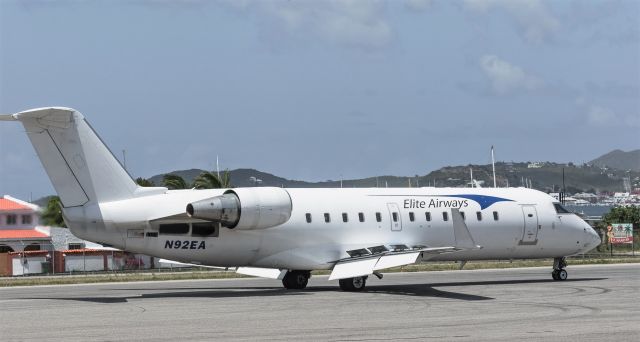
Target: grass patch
{"x": 217, "y": 274}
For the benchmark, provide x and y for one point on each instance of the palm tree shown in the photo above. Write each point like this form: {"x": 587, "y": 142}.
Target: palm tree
{"x": 174, "y": 182}
{"x": 144, "y": 182}
{"x": 210, "y": 180}
{"x": 52, "y": 214}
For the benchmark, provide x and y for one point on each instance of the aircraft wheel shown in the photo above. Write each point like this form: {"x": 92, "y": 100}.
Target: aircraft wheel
{"x": 356, "y": 284}
{"x": 554, "y": 275}
{"x": 296, "y": 280}
{"x": 562, "y": 274}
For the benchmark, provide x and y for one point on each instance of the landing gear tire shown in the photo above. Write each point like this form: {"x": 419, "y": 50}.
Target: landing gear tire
{"x": 559, "y": 273}
{"x": 562, "y": 275}
{"x": 296, "y": 280}
{"x": 356, "y": 284}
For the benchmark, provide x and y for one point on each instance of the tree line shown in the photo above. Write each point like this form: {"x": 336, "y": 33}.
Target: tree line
{"x": 52, "y": 213}
{"x": 205, "y": 180}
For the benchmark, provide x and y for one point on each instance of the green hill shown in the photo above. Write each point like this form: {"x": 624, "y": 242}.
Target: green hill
{"x": 543, "y": 176}
{"x": 620, "y": 160}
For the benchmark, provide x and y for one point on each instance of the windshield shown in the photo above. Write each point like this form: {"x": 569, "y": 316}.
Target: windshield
{"x": 560, "y": 209}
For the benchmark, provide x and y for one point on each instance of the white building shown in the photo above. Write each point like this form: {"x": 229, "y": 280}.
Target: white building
{"x": 20, "y": 228}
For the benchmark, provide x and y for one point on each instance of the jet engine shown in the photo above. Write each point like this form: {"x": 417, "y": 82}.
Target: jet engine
{"x": 245, "y": 208}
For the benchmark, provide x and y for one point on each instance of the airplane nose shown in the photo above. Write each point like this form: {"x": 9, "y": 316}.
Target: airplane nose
{"x": 593, "y": 238}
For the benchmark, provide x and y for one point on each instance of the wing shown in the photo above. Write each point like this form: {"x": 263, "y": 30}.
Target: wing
{"x": 365, "y": 261}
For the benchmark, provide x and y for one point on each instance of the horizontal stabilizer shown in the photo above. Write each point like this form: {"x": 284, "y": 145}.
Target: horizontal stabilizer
{"x": 7, "y": 117}
{"x": 271, "y": 273}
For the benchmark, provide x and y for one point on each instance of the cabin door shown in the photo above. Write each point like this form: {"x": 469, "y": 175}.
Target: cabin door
{"x": 394, "y": 215}
{"x": 531, "y": 226}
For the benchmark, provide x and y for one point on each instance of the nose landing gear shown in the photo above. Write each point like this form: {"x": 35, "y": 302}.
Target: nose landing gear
{"x": 559, "y": 273}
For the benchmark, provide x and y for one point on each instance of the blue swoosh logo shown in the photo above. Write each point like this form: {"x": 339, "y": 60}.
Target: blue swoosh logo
{"x": 484, "y": 200}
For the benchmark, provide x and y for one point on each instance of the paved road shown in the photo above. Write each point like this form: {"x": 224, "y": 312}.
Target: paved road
{"x": 597, "y": 303}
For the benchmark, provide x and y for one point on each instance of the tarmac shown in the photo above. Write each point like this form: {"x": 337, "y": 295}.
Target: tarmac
{"x": 596, "y": 303}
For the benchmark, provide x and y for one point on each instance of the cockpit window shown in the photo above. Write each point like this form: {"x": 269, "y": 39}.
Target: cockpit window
{"x": 560, "y": 209}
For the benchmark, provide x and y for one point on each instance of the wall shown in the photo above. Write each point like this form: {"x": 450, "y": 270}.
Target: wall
{"x": 27, "y": 265}
{"x": 6, "y": 265}
{"x": 80, "y": 263}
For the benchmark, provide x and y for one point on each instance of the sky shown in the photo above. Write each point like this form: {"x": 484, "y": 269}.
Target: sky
{"x": 317, "y": 90}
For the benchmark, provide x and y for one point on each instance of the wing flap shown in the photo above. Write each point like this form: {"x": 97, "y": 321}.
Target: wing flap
{"x": 381, "y": 257}
{"x": 394, "y": 260}
{"x": 271, "y": 273}
{"x": 353, "y": 268}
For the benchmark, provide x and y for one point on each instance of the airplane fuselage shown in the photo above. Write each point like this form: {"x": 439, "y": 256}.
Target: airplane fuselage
{"x": 289, "y": 232}
{"x": 508, "y": 223}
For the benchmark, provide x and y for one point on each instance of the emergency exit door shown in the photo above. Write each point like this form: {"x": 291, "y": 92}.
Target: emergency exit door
{"x": 394, "y": 216}
{"x": 531, "y": 226}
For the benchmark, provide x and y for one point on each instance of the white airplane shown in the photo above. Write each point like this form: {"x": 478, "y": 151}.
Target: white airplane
{"x": 285, "y": 233}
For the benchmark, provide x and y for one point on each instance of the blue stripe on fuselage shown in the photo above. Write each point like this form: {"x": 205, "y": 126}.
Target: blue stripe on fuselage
{"x": 484, "y": 200}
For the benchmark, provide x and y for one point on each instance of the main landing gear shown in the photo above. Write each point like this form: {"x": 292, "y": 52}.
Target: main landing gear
{"x": 296, "y": 280}
{"x": 356, "y": 284}
{"x": 559, "y": 273}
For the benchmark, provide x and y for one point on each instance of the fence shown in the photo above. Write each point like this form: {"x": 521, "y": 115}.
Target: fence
{"x": 46, "y": 260}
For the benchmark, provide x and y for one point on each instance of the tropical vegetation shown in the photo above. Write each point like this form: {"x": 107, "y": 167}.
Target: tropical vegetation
{"x": 52, "y": 214}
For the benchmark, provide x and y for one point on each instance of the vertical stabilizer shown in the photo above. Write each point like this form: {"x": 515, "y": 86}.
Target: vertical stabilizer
{"x": 80, "y": 166}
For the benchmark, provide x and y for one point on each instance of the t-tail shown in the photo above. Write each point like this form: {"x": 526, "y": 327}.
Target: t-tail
{"x": 81, "y": 167}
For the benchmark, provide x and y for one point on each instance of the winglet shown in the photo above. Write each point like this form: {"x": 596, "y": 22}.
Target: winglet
{"x": 7, "y": 117}
{"x": 463, "y": 238}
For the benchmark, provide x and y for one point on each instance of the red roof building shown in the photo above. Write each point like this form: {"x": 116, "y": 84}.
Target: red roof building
{"x": 19, "y": 226}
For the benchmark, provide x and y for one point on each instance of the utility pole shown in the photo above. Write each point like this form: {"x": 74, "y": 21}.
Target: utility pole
{"x": 493, "y": 166}
{"x": 217, "y": 166}
{"x": 124, "y": 159}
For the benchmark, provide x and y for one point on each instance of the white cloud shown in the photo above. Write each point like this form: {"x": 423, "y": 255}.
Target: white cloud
{"x": 535, "y": 22}
{"x": 418, "y": 5}
{"x": 505, "y": 77}
{"x": 601, "y": 116}
{"x": 355, "y": 23}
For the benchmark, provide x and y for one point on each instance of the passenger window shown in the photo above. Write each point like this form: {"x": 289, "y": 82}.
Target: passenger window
{"x": 479, "y": 215}
{"x": 427, "y": 215}
{"x": 203, "y": 229}
{"x": 411, "y": 217}
{"x": 495, "y": 216}
{"x": 445, "y": 216}
{"x": 395, "y": 216}
{"x": 462, "y": 214}
{"x": 308, "y": 215}
{"x": 327, "y": 218}
{"x": 361, "y": 217}
{"x": 174, "y": 228}
{"x": 378, "y": 217}
{"x": 345, "y": 218}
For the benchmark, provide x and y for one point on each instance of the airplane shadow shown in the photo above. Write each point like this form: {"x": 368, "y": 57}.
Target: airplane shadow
{"x": 418, "y": 290}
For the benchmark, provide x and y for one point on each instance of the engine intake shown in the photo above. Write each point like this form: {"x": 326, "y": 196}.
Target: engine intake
{"x": 245, "y": 208}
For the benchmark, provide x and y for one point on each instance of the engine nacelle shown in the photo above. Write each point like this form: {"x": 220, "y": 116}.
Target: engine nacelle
{"x": 245, "y": 208}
